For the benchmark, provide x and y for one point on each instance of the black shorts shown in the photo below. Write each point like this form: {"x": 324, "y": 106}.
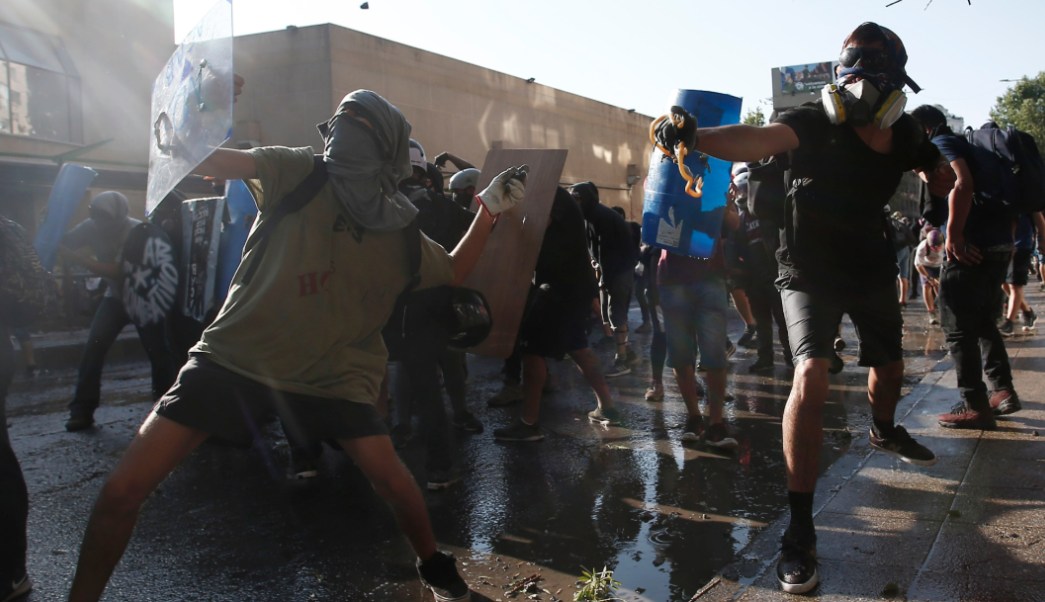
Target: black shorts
{"x": 1019, "y": 269}
{"x": 813, "y": 319}
{"x": 616, "y": 299}
{"x": 232, "y": 407}
{"x": 552, "y": 326}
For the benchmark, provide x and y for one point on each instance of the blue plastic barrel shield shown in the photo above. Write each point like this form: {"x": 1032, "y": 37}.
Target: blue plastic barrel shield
{"x": 242, "y": 211}
{"x": 66, "y": 194}
{"x": 673, "y": 220}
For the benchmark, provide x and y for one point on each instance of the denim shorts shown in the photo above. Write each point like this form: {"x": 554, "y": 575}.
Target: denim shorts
{"x": 813, "y": 319}
{"x": 232, "y": 407}
{"x": 903, "y": 262}
{"x": 695, "y": 318}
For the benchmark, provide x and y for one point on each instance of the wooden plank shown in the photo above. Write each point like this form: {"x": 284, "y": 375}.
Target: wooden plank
{"x": 505, "y": 269}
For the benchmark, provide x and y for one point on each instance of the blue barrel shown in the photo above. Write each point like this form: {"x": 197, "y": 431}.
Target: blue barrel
{"x": 242, "y": 212}
{"x": 66, "y": 194}
{"x": 671, "y": 218}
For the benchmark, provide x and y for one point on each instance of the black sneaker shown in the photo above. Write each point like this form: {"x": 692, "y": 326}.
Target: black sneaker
{"x": 440, "y": 575}
{"x": 467, "y": 422}
{"x": 730, "y": 349}
{"x": 718, "y": 435}
{"x": 79, "y": 422}
{"x": 303, "y": 467}
{"x": 439, "y": 480}
{"x": 9, "y": 592}
{"x": 401, "y": 435}
{"x": 797, "y": 569}
{"x": 1007, "y": 329}
{"x": 763, "y": 365}
{"x": 620, "y": 367}
{"x": 747, "y": 340}
{"x": 518, "y": 431}
{"x": 509, "y": 394}
{"x": 900, "y": 444}
{"x": 694, "y": 429}
{"x": 836, "y": 364}
{"x": 1030, "y": 319}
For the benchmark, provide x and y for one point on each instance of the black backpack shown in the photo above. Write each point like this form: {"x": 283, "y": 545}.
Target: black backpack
{"x": 767, "y": 188}
{"x": 901, "y": 234}
{"x": 1007, "y": 169}
{"x": 459, "y": 315}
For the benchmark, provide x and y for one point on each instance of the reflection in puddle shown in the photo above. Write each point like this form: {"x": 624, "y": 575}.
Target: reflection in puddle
{"x": 665, "y": 517}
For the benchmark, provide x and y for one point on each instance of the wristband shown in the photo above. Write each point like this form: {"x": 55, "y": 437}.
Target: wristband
{"x": 482, "y": 206}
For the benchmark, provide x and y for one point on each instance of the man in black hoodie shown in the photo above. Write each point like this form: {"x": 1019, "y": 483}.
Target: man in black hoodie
{"x": 613, "y": 255}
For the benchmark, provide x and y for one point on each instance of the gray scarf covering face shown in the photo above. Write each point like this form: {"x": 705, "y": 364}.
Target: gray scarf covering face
{"x": 365, "y": 167}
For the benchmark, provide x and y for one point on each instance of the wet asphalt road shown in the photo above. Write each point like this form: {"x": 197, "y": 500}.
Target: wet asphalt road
{"x": 227, "y": 526}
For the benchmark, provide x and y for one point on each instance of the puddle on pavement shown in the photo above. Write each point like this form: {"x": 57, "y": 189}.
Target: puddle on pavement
{"x": 663, "y": 516}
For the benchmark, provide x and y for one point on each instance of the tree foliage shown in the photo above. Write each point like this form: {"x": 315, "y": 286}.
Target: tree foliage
{"x": 1023, "y": 105}
{"x": 755, "y": 117}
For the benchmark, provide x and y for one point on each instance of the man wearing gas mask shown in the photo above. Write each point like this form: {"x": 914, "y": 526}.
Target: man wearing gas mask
{"x": 847, "y": 153}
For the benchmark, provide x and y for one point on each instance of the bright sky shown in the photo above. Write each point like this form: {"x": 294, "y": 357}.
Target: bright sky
{"x": 636, "y": 54}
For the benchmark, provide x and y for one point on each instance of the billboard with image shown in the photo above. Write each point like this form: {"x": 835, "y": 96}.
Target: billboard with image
{"x": 806, "y": 78}
{"x": 795, "y": 84}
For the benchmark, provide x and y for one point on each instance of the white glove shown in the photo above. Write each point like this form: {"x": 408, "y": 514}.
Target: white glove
{"x": 505, "y": 191}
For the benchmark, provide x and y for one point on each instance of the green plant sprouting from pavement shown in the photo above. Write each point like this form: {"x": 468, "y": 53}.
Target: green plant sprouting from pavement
{"x": 596, "y": 586}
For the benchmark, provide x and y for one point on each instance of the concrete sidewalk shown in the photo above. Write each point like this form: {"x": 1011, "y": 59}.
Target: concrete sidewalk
{"x": 60, "y": 350}
{"x": 972, "y": 527}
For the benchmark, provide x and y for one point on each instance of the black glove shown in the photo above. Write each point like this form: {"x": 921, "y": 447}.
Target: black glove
{"x": 669, "y": 134}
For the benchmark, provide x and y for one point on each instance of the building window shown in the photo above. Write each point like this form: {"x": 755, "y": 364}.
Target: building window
{"x": 39, "y": 87}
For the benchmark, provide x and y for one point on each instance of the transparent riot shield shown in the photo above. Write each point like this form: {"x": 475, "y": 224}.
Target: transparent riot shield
{"x": 191, "y": 103}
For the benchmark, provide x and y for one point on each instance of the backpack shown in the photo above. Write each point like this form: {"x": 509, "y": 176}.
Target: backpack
{"x": 1007, "y": 169}
{"x": 435, "y": 318}
{"x": 27, "y": 290}
{"x": 460, "y": 315}
{"x": 767, "y": 188}
{"x": 901, "y": 234}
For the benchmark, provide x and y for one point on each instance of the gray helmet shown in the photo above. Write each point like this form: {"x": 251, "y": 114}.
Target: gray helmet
{"x": 464, "y": 178}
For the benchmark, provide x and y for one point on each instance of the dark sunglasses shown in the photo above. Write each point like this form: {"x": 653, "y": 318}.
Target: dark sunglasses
{"x": 874, "y": 60}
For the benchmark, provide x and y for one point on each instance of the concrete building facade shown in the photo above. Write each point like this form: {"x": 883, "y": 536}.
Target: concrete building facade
{"x": 75, "y": 85}
{"x": 76, "y": 82}
{"x": 296, "y": 77}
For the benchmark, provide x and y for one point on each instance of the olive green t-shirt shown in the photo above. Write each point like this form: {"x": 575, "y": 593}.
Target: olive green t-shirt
{"x": 310, "y": 319}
